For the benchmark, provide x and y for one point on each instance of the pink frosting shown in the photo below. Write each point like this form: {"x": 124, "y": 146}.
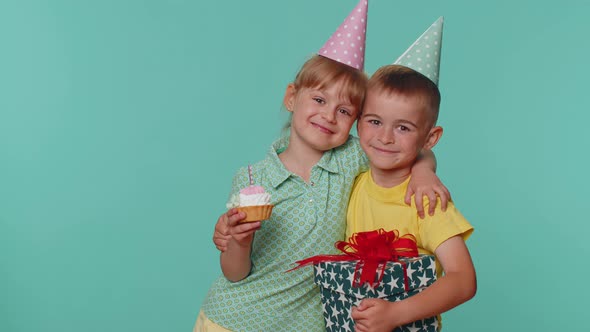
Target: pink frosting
{"x": 252, "y": 190}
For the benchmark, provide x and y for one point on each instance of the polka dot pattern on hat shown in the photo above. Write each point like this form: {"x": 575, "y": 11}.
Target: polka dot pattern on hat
{"x": 424, "y": 54}
{"x": 347, "y": 44}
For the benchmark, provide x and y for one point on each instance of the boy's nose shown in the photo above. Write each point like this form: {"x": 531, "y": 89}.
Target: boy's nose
{"x": 385, "y": 136}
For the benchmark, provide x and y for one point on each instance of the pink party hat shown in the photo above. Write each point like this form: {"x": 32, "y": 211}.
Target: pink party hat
{"x": 347, "y": 44}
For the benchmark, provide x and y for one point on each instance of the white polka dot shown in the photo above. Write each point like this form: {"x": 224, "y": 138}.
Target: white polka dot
{"x": 334, "y": 51}
{"x": 435, "y": 33}
{"x": 345, "y": 26}
{"x": 409, "y": 63}
{"x": 358, "y": 37}
{"x": 427, "y": 65}
{"x": 418, "y": 51}
{"x": 419, "y": 68}
{"x": 338, "y": 35}
{"x": 348, "y": 62}
{"x": 427, "y": 46}
{"x": 351, "y": 44}
{"x": 428, "y": 55}
{"x": 338, "y": 59}
{"x": 408, "y": 56}
{"x": 426, "y": 37}
{"x": 331, "y": 43}
{"x": 348, "y": 35}
{"x": 325, "y": 52}
{"x": 435, "y": 43}
{"x": 363, "y": 20}
{"x": 341, "y": 43}
{"x": 419, "y": 59}
{"x": 361, "y": 48}
{"x": 355, "y": 55}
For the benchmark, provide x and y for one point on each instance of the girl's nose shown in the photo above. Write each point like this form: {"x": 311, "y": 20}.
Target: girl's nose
{"x": 329, "y": 115}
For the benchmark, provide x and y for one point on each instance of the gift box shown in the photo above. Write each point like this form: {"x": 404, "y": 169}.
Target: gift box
{"x": 340, "y": 287}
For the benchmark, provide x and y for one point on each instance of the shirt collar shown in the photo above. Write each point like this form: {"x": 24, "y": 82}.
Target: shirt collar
{"x": 328, "y": 162}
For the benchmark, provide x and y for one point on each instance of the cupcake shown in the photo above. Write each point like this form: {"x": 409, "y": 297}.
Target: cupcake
{"x": 253, "y": 200}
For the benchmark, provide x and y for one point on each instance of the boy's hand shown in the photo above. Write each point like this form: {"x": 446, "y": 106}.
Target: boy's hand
{"x": 426, "y": 183}
{"x": 374, "y": 315}
{"x": 221, "y": 234}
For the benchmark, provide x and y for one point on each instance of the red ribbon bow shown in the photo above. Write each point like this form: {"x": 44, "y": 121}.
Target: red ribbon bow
{"x": 372, "y": 249}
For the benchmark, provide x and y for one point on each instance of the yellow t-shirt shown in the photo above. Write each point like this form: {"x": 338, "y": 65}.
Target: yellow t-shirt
{"x": 372, "y": 207}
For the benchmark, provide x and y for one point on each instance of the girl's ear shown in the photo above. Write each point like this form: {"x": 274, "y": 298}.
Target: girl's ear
{"x": 289, "y": 99}
{"x": 433, "y": 137}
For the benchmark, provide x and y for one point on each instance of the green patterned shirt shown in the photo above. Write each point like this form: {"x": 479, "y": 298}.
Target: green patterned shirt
{"x": 307, "y": 219}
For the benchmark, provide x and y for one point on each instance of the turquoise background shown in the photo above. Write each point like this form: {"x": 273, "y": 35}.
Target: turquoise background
{"x": 122, "y": 122}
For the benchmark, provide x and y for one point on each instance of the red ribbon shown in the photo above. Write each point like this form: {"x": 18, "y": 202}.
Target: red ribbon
{"x": 372, "y": 249}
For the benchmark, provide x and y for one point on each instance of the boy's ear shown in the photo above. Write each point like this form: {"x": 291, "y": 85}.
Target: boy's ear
{"x": 433, "y": 137}
{"x": 289, "y": 99}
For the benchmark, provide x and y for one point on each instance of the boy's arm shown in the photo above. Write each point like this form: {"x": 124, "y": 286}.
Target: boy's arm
{"x": 425, "y": 182}
{"x": 457, "y": 286}
{"x": 235, "y": 260}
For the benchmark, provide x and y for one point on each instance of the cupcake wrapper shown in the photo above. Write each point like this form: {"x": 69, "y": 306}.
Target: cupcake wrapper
{"x": 256, "y": 213}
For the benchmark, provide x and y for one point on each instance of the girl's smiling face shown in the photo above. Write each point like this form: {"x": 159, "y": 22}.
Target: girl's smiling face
{"x": 322, "y": 117}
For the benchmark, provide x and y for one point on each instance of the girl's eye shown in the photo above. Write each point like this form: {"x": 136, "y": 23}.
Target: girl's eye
{"x": 344, "y": 111}
{"x": 318, "y": 100}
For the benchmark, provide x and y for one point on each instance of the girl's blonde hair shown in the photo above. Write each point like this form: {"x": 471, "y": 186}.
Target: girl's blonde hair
{"x": 319, "y": 72}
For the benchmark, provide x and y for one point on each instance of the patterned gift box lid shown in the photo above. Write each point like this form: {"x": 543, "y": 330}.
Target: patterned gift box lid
{"x": 338, "y": 276}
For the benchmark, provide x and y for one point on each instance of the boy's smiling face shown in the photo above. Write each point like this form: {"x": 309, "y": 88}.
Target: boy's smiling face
{"x": 393, "y": 129}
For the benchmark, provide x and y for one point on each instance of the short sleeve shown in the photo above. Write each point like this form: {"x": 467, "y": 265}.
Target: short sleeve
{"x": 436, "y": 229}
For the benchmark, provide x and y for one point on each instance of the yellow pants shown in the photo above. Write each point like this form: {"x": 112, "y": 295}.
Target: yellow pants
{"x": 203, "y": 324}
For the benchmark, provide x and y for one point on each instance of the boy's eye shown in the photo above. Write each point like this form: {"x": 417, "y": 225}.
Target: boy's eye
{"x": 375, "y": 122}
{"x": 318, "y": 100}
{"x": 403, "y": 128}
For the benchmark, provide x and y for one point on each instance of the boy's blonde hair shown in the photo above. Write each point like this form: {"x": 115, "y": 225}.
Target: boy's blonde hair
{"x": 396, "y": 79}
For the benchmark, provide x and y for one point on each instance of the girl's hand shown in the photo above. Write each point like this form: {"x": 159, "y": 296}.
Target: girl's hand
{"x": 221, "y": 234}
{"x": 241, "y": 233}
{"x": 424, "y": 182}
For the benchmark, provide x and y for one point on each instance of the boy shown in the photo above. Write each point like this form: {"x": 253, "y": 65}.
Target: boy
{"x": 397, "y": 122}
